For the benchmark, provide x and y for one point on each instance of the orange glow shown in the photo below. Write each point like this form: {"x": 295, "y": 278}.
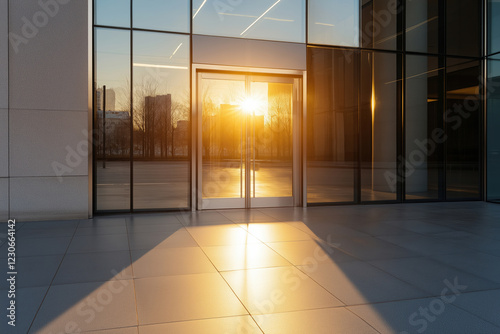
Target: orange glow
{"x": 249, "y": 105}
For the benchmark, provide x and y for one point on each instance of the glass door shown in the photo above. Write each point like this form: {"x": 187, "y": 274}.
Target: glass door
{"x": 247, "y": 140}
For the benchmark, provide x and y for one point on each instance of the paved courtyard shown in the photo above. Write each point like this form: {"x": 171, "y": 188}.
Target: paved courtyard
{"x": 402, "y": 268}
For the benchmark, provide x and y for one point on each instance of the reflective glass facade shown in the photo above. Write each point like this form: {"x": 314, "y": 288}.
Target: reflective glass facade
{"x": 394, "y": 88}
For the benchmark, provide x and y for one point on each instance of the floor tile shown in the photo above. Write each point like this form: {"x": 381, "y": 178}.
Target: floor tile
{"x": 221, "y": 235}
{"x": 360, "y": 283}
{"x": 273, "y": 290}
{"x": 154, "y": 240}
{"x": 432, "y": 276}
{"x": 309, "y": 251}
{"x": 245, "y": 256}
{"x": 203, "y": 218}
{"x": 437, "y": 317}
{"x": 68, "y": 231}
{"x": 170, "y": 261}
{"x": 153, "y": 219}
{"x": 34, "y": 271}
{"x": 99, "y": 243}
{"x": 94, "y": 267}
{"x": 87, "y": 307}
{"x": 423, "y": 245}
{"x": 327, "y": 321}
{"x": 185, "y": 297}
{"x": 101, "y": 229}
{"x": 370, "y": 248}
{"x": 241, "y": 324}
{"x": 274, "y": 232}
{"x": 38, "y": 246}
{"x": 483, "y": 304}
{"x": 124, "y": 330}
{"x": 28, "y": 301}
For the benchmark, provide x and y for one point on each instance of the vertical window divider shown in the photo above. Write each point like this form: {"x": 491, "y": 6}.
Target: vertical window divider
{"x": 131, "y": 108}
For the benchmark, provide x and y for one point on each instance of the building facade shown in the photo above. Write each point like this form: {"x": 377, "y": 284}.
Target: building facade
{"x": 214, "y": 104}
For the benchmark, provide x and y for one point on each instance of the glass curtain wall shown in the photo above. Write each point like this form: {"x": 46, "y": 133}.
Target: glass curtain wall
{"x": 416, "y": 130}
{"x": 142, "y": 105}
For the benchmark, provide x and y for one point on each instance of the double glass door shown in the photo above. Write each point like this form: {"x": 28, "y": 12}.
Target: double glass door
{"x": 247, "y": 140}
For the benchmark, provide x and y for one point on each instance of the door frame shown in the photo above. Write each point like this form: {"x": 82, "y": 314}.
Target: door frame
{"x": 299, "y": 127}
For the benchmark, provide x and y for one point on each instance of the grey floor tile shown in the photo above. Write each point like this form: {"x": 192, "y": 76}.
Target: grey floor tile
{"x": 370, "y": 248}
{"x": 38, "y": 246}
{"x": 100, "y": 229}
{"x": 484, "y": 304}
{"x": 154, "y": 219}
{"x": 94, "y": 267}
{"x": 28, "y": 301}
{"x": 153, "y": 240}
{"x": 423, "y": 245}
{"x": 432, "y": 316}
{"x": 34, "y": 271}
{"x": 123, "y": 330}
{"x": 103, "y": 222}
{"x": 49, "y": 232}
{"x": 87, "y": 307}
{"x": 360, "y": 283}
{"x": 431, "y": 276}
{"x": 99, "y": 243}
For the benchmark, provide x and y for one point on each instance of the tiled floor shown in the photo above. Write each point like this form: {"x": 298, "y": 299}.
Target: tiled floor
{"x": 406, "y": 268}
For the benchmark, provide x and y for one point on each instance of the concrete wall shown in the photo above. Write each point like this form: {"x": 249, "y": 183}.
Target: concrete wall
{"x": 44, "y": 126}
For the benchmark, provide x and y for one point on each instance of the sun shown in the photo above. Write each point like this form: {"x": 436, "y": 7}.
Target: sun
{"x": 249, "y": 105}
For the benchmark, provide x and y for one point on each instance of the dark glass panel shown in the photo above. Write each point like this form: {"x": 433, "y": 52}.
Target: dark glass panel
{"x": 463, "y": 119}
{"x": 422, "y": 26}
{"x": 332, "y": 123}
{"x": 379, "y": 108}
{"x": 112, "y": 119}
{"x": 493, "y": 26}
{"x": 463, "y": 27}
{"x": 425, "y": 134}
{"x": 493, "y": 125}
{"x": 379, "y": 24}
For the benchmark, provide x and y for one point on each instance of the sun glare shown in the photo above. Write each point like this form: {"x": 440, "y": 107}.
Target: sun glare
{"x": 250, "y": 105}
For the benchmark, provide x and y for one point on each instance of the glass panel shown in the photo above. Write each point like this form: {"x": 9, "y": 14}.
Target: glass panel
{"x": 493, "y": 124}
{"x": 379, "y": 28}
{"x": 112, "y": 127}
{"x": 161, "y": 121}
{"x": 463, "y": 118}
{"x": 171, "y": 15}
{"x": 424, "y": 129}
{"x": 463, "y": 28}
{"x": 422, "y": 26}
{"x": 493, "y": 26}
{"x": 223, "y": 133}
{"x": 272, "y": 146}
{"x": 280, "y": 20}
{"x": 380, "y": 96}
{"x": 334, "y": 22}
{"x": 112, "y": 13}
{"x": 332, "y": 125}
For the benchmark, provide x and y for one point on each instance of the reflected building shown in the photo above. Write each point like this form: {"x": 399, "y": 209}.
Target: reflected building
{"x": 258, "y": 104}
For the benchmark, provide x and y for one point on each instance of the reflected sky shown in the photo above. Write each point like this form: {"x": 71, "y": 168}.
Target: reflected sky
{"x": 172, "y": 15}
{"x": 334, "y": 22}
{"x": 112, "y": 12}
{"x": 282, "y": 20}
